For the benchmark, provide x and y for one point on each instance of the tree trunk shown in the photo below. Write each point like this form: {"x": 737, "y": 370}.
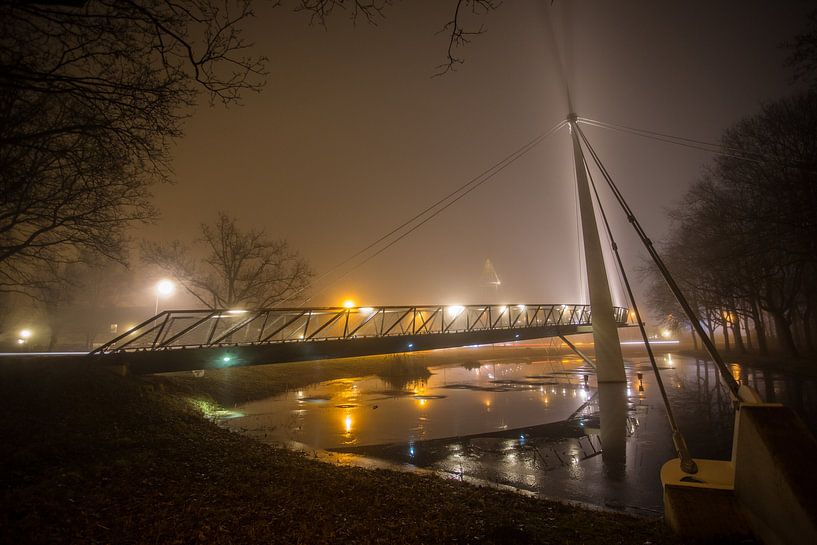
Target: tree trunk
{"x": 89, "y": 340}
{"x": 695, "y": 341}
{"x": 771, "y": 326}
{"x": 795, "y": 327}
{"x": 710, "y": 329}
{"x": 749, "y": 345}
{"x": 760, "y": 329}
{"x": 53, "y": 338}
{"x": 741, "y": 348}
{"x": 808, "y": 337}
{"x": 725, "y": 329}
{"x": 784, "y": 336}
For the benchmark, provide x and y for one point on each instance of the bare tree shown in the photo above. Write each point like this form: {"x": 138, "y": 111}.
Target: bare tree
{"x": 459, "y": 29}
{"x": 370, "y": 10}
{"x": 77, "y": 298}
{"x": 459, "y": 34}
{"x": 91, "y": 94}
{"x": 745, "y": 239}
{"x": 235, "y": 267}
{"x": 803, "y": 57}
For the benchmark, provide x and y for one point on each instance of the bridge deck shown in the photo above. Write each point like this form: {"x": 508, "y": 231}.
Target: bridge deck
{"x": 178, "y": 340}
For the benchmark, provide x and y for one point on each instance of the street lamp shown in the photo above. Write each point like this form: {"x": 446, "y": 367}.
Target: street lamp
{"x": 164, "y": 288}
{"x": 23, "y": 336}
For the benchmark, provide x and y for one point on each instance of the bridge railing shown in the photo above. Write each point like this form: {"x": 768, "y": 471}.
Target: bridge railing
{"x": 174, "y": 329}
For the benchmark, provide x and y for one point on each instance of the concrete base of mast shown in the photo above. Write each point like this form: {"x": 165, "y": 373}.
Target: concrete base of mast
{"x": 766, "y": 490}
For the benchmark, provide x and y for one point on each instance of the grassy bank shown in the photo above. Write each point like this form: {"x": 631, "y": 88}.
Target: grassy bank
{"x": 90, "y": 457}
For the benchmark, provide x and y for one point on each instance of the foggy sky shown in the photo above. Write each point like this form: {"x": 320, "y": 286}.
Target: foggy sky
{"x": 351, "y": 136}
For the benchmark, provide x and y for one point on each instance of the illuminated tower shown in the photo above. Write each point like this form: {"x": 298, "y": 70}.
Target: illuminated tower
{"x": 609, "y": 362}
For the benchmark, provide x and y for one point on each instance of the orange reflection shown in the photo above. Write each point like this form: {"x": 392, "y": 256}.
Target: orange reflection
{"x": 735, "y": 369}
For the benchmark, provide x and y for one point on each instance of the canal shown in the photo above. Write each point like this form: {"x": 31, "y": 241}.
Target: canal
{"x": 539, "y": 423}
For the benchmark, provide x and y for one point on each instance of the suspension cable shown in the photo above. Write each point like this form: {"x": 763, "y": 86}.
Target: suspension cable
{"x": 730, "y": 381}
{"x": 452, "y": 198}
{"x": 688, "y": 465}
{"x": 717, "y": 149}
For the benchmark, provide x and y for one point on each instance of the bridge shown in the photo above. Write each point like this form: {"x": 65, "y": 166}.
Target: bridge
{"x": 207, "y": 339}
{"x": 181, "y": 340}
{"x": 694, "y": 490}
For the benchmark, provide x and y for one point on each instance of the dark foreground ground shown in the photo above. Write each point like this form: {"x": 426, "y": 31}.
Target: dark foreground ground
{"x": 87, "y": 456}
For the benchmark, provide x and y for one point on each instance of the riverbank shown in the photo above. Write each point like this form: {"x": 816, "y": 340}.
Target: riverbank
{"x": 91, "y": 457}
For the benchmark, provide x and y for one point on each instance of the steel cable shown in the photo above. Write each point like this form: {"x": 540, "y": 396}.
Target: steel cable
{"x": 431, "y": 211}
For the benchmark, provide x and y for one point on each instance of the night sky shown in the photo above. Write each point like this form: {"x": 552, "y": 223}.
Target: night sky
{"x": 352, "y": 135}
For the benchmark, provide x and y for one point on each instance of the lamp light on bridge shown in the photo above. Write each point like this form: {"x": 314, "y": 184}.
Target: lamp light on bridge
{"x": 455, "y": 310}
{"x": 666, "y": 333}
{"x": 348, "y": 304}
{"x": 23, "y": 336}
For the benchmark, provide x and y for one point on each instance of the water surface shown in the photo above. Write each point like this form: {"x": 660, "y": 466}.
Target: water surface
{"x": 541, "y": 425}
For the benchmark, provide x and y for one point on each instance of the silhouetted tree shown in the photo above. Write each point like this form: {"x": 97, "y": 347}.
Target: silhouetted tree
{"x": 234, "y": 268}
{"x": 803, "y": 58}
{"x": 77, "y": 297}
{"x": 745, "y": 238}
{"x": 91, "y": 93}
{"x": 459, "y": 28}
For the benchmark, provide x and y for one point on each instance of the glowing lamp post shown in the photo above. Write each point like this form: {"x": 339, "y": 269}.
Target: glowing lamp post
{"x": 164, "y": 288}
{"x": 23, "y": 337}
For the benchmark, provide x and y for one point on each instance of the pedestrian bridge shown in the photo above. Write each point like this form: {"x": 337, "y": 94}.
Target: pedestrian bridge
{"x": 179, "y": 340}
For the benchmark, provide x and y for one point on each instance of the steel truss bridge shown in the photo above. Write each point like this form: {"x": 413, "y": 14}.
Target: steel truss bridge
{"x": 180, "y": 340}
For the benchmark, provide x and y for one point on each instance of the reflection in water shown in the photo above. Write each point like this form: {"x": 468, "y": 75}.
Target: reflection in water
{"x": 613, "y": 414}
{"x": 403, "y": 372}
{"x": 534, "y": 424}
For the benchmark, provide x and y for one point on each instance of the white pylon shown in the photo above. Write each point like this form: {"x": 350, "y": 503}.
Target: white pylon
{"x": 609, "y": 361}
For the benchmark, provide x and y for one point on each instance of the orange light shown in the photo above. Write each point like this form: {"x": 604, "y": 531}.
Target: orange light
{"x": 348, "y": 304}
